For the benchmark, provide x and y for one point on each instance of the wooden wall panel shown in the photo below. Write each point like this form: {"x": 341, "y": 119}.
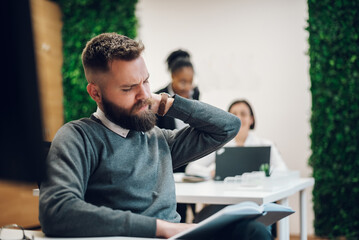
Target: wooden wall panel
{"x": 47, "y": 25}
{"x": 18, "y": 205}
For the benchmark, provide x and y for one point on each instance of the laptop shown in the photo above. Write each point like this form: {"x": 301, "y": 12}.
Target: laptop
{"x": 232, "y": 161}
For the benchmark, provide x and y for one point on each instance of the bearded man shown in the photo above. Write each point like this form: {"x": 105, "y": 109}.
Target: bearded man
{"x": 112, "y": 174}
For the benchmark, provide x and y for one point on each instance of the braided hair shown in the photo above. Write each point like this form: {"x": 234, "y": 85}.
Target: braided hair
{"x": 177, "y": 60}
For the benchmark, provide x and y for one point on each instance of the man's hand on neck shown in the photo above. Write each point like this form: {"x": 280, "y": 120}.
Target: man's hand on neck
{"x": 156, "y": 98}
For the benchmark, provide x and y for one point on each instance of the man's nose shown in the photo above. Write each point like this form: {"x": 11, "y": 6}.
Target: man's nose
{"x": 143, "y": 92}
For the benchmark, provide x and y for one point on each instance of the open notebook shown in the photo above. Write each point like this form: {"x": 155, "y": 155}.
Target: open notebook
{"x": 267, "y": 214}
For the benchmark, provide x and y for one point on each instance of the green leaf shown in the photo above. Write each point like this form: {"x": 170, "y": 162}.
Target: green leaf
{"x": 82, "y": 20}
{"x": 333, "y": 28}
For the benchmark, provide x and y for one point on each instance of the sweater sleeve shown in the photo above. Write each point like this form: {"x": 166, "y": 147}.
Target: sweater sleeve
{"x": 209, "y": 129}
{"x": 63, "y": 210}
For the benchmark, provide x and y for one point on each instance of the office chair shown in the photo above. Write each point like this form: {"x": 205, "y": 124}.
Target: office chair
{"x": 46, "y": 149}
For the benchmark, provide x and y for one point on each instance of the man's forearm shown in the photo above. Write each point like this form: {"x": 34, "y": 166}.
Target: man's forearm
{"x": 210, "y": 128}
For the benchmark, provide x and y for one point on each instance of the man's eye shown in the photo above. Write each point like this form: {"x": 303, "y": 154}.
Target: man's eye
{"x": 126, "y": 89}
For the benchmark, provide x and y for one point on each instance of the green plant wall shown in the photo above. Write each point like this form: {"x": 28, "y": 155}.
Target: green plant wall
{"x": 333, "y": 28}
{"x": 82, "y": 20}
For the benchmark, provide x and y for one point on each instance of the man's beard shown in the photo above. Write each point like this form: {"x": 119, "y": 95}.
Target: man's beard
{"x": 143, "y": 121}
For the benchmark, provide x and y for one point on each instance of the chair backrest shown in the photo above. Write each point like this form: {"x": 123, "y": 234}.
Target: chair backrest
{"x": 46, "y": 149}
{"x": 47, "y": 146}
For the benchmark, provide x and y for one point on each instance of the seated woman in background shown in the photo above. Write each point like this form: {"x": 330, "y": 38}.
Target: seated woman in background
{"x": 205, "y": 166}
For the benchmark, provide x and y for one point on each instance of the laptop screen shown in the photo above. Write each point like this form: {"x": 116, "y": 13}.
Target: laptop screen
{"x": 232, "y": 161}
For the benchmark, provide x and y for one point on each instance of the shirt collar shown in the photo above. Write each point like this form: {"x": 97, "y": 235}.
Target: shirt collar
{"x": 170, "y": 90}
{"x": 99, "y": 114}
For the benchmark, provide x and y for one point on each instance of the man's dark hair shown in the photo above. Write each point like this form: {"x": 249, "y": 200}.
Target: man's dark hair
{"x": 106, "y": 47}
{"x": 250, "y": 110}
{"x": 177, "y": 60}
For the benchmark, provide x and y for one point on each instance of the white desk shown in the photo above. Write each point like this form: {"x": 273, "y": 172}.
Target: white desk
{"x": 38, "y": 235}
{"x": 212, "y": 192}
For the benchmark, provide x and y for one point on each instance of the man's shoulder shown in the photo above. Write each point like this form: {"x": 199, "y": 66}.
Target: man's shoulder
{"x": 156, "y": 131}
{"x": 84, "y": 129}
{"x": 83, "y": 123}
{"x": 160, "y": 134}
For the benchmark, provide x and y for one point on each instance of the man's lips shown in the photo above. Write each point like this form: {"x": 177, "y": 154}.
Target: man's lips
{"x": 142, "y": 106}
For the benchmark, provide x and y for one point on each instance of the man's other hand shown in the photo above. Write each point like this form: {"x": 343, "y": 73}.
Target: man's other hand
{"x": 168, "y": 229}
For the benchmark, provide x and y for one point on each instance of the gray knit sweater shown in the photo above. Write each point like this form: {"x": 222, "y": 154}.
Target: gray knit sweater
{"x": 101, "y": 184}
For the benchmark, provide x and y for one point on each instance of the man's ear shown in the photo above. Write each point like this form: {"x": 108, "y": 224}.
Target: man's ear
{"x": 94, "y": 91}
